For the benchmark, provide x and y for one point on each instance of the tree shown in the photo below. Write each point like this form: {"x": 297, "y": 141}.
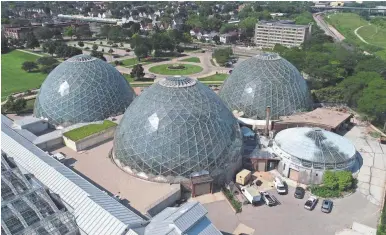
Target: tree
{"x": 137, "y": 72}
{"x": 83, "y": 31}
{"x": 43, "y": 33}
{"x": 247, "y": 26}
{"x": 48, "y": 68}
{"x": 12, "y": 105}
{"x": 216, "y": 39}
{"x": 141, "y": 51}
{"x": 60, "y": 50}
{"x": 81, "y": 44}
{"x": 105, "y": 30}
{"x": 225, "y": 28}
{"x": 114, "y": 33}
{"x": 29, "y": 65}
{"x": 98, "y": 54}
{"x": 32, "y": 42}
{"x": 50, "y": 47}
{"x": 186, "y": 38}
{"x": 46, "y": 60}
{"x": 345, "y": 180}
{"x": 110, "y": 50}
{"x": 330, "y": 180}
{"x": 94, "y": 47}
{"x": 135, "y": 28}
{"x": 69, "y": 31}
{"x": 72, "y": 51}
{"x": 4, "y": 44}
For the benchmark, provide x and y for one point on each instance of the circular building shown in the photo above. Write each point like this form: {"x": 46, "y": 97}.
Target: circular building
{"x": 307, "y": 152}
{"x": 177, "y": 127}
{"x": 82, "y": 89}
{"x": 266, "y": 80}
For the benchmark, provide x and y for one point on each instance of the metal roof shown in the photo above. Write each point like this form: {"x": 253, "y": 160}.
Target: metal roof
{"x": 315, "y": 145}
{"x": 94, "y": 210}
{"x": 190, "y": 218}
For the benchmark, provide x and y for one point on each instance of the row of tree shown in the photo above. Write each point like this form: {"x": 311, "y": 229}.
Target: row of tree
{"x": 60, "y": 49}
{"x": 338, "y": 75}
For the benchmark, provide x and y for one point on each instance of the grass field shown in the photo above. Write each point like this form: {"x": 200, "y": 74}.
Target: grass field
{"x": 347, "y": 23}
{"x": 84, "y": 131}
{"x": 133, "y": 61}
{"x": 215, "y": 77}
{"x": 192, "y": 59}
{"x": 374, "y": 35}
{"x": 13, "y": 78}
{"x": 163, "y": 69}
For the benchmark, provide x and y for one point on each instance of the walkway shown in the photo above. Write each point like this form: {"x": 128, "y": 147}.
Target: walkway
{"x": 372, "y": 162}
{"x": 30, "y": 52}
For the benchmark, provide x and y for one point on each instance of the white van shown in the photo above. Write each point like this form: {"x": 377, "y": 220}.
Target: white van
{"x": 279, "y": 185}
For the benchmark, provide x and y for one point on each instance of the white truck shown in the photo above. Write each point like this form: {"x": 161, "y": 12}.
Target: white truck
{"x": 268, "y": 199}
{"x": 252, "y": 194}
{"x": 279, "y": 185}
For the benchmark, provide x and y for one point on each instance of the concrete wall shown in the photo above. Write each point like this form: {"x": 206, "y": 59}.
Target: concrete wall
{"x": 50, "y": 144}
{"x": 36, "y": 127}
{"x": 306, "y": 176}
{"x": 91, "y": 140}
{"x": 164, "y": 202}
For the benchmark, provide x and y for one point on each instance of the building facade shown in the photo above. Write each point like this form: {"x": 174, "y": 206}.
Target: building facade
{"x": 270, "y": 33}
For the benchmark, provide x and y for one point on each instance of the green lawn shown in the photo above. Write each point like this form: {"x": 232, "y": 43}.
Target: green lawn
{"x": 215, "y": 77}
{"x": 192, "y": 59}
{"x": 133, "y": 61}
{"x": 374, "y": 35}
{"x": 84, "y": 131}
{"x": 347, "y": 23}
{"x": 163, "y": 69}
{"x": 13, "y": 78}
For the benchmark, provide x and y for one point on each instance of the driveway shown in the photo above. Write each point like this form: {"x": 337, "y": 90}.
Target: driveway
{"x": 291, "y": 218}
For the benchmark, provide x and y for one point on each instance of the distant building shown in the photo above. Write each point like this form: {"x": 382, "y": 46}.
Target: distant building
{"x": 16, "y": 32}
{"x": 229, "y": 37}
{"x": 286, "y": 33}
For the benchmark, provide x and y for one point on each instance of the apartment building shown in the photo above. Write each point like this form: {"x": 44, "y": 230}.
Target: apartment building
{"x": 286, "y": 33}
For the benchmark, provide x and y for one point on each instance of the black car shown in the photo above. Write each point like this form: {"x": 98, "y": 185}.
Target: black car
{"x": 299, "y": 192}
{"x": 326, "y": 206}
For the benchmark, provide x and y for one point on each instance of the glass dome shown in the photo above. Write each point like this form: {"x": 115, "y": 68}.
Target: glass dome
{"x": 82, "y": 89}
{"x": 314, "y": 147}
{"x": 176, "y": 127}
{"x": 266, "y": 80}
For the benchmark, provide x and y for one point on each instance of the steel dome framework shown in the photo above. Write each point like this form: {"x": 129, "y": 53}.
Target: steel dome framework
{"x": 266, "y": 80}
{"x": 176, "y": 127}
{"x": 82, "y": 89}
{"x": 314, "y": 148}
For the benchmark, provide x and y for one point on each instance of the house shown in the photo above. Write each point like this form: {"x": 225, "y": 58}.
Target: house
{"x": 229, "y": 37}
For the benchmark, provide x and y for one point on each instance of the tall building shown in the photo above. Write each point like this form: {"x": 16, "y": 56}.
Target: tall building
{"x": 286, "y": 33}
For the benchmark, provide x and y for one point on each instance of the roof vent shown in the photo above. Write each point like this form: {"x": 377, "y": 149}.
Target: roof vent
{"x": 177, "y": 81}
{"x": 81, "y": 58}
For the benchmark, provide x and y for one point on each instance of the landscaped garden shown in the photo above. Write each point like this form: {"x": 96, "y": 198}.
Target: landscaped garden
{"x": 175, "y": 69}
{"x": 192, "y": 59}
{"x": 14, "y": 78}
{"x": 215, "y": 77}
{"x": 88, "y": 130}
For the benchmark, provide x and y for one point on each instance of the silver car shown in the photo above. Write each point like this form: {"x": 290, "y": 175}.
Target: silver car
{"x": 326, "y": 206}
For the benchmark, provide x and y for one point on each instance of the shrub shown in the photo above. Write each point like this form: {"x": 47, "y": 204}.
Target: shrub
{"x": 234, "y": 202}
{"x": 117, "y": 62}
{"x": 29, "y": 65}
{"x": 48, "y": 68}
{"x": 81, "y": 44}
{"x": 87, "y": 48}
{"x": 101, "y": 43}
{"x": 325, "y": 192}
{"x": 103, "y": 50}
{"x": 114, "y": 45}
{"x": 128, "y": 50}
{"x": 46, "y": 60}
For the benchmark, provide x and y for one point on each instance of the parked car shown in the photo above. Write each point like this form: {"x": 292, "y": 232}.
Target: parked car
{"x": 268, "y": 199}
{"x": 279, "y": 185}
{"x": 299, "y": 192}
{"x": 326, "y": 206}
{"x": 311, "y": 203}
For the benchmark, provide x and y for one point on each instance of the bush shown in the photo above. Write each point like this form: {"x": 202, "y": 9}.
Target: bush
{"x": 114, "y": 45}
{"x": 101, "y": 43}
{"x": 46, "y": 60}
{"x": 48, "y": 68}
{"x": 234, "y": 202}
{"x": 323, "y": 191}
{"x": 87, "y": 48}
{"x": 128, "y": 50}
{"x": 29, "y": 66}
{"x": 81, "y": 44}
{"x": 117, "y": 62}
{"x": 103, "y": 50}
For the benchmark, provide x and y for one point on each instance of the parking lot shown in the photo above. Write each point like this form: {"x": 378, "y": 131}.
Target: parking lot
{"x": 290, "y": 217}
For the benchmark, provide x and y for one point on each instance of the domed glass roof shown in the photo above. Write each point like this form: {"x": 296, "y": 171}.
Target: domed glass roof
{"x": 176, "y": 127}
{"x": 266, "y": 80}
{"x": 315, "y": 145}
{"x": 82, "y": 89}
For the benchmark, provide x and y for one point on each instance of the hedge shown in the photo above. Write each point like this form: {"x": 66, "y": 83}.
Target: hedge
{"x": 234, "y": 202}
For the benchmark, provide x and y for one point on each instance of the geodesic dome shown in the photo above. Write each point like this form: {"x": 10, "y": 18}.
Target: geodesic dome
{"x": 82, "y": 89}
{"x": 314, "y": 148}
{"x": 176, "y": 127}
{"x": 266, "y": 80}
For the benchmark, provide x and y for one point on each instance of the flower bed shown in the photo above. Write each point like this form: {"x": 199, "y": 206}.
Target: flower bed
{"x": 232, "y": 200}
